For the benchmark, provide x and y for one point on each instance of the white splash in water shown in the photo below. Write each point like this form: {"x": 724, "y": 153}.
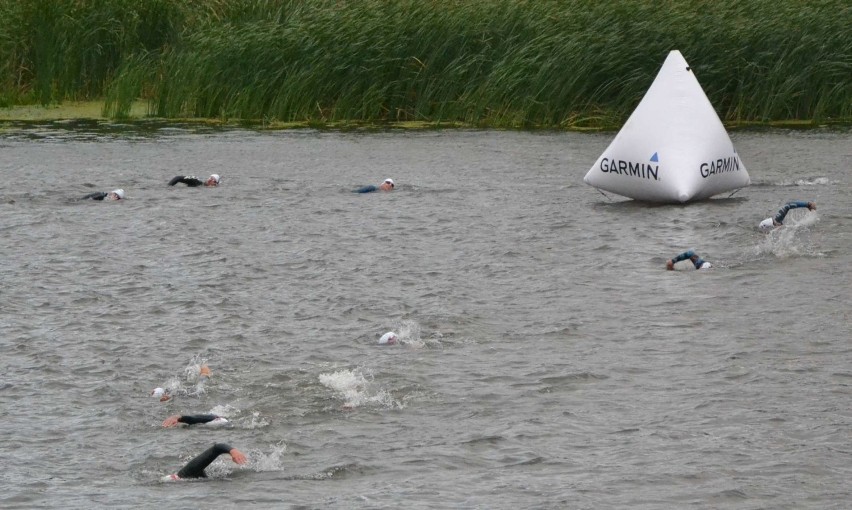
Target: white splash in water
{"x": 273, "y": 461}
{"x": 788, "y": 241}
{"x": 818, "y": 181}
{"x": 356, "y": 390}
{"x": 409, "y": 334}
{"x": 256, "y": 421}
{"x": 225, "y": 411}
{"x": 190, "y": 383}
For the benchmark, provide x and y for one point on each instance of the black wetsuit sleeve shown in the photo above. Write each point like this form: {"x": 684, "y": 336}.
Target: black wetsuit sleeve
{"x": 186, "y": 179}
{"x": 367, "y": 189}
{"x": 195, "y": 468}
{"x": 193, "y": 419}
{"x": 100, "y": 195}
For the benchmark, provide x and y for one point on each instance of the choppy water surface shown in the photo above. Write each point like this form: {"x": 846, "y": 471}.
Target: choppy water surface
{"x": 548, "y": 359}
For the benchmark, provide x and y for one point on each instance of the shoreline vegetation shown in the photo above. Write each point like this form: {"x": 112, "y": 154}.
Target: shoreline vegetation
{"x": 519, "y": 64}
{"x": 94, "y": 111}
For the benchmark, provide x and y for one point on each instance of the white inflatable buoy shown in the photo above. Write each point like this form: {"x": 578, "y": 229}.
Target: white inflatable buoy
{"x": 673, "y": 148}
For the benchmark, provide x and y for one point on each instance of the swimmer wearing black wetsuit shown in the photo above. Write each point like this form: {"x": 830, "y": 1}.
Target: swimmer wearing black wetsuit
{"x": 193, "y": 181}
{"x": 195, "y": 467}
{"x": 193, "y": 419}
{"x": 116, "y": 194}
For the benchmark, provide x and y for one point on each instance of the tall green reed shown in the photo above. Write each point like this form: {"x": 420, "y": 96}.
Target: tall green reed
{"x": 70, "y": 49}
{"x": 500, "y": 63}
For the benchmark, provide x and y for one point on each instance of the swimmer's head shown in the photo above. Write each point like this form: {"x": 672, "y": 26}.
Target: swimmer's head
{"x": 389, "y": 338}
{"x": 387, "y": 185}
{"x": 213, "y": 180}
{"x": 116, "y": 194}
{"x": 706, "y": 265}
{"x": 170, "y": 478}
{"x": 161, "y": 394}
{"x": 767, "y": 225}
{"x": 204, "y": 372}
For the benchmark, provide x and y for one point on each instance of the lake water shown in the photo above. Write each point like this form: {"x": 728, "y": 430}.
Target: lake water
{"x": 548, "y": 359}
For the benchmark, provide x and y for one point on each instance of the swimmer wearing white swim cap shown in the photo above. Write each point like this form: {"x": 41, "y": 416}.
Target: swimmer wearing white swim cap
{"x": 386, "y": 185}
{"x": 193, "y": 181}
{"x": 116, "y": 194}
{"x": 778, "y": 220}
{"x": 389, "y": 338}
{"x": 162, "y": 394}
{"x": 693, "y": 257}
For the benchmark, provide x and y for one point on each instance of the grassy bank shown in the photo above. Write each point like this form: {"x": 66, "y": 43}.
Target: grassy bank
{"x": 490, "y": 63}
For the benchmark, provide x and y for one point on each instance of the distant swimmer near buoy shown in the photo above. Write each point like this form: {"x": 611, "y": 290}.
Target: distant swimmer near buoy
{"x": 387, "y": 185}
{"x": 693, "y": 257}
{"x": 389, "y": 338}
{"x": 193, "y": 181}
{"x": 194, "y": 419}
{"x": 778, "y": 220}
{"x": 195, "y": 467}
{"x": 116, "y": 194}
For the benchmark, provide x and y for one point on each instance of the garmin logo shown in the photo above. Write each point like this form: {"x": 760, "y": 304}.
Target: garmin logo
{"x": 719, "y": 166}
{"x": 630, "y": 168}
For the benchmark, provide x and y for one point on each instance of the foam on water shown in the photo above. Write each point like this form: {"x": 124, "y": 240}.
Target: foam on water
{"x": 272, "y": 460}
{"x": 357, "y": 390}
{"x": 816, "y": 181}
{"x": 189, "y": 381}
{"x": 790, "y": 240}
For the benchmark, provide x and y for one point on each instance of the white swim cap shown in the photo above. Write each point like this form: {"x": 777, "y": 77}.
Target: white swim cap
{"x": 389, "y": 181}
{"x": 158, "y": 392}
{"x": 389, "y": 338}
{"x": 170, "y": 478}
{"x": 766, "y": 224}
{"x": 706, "y": 265}
{"x": 119, "y": 192}
{"x": 215, "y": 177}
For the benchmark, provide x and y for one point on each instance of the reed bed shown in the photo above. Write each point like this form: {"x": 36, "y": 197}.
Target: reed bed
{"x": 492, "y": 63}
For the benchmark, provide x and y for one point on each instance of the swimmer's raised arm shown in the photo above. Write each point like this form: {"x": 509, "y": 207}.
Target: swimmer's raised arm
{"x": 195, "y": 467}
{"x": 696, "y": 260}
{"x": 189, "y": 180}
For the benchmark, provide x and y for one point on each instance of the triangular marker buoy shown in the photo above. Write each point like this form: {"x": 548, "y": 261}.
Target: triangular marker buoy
{"x": 674, "y": 119}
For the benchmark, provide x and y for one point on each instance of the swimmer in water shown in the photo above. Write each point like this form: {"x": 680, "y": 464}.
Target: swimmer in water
{"x": 195, "y": 468}
{"x": 778, "y": 220}
{"x": 387, "y": 185}
{"x": 161, "y": 393}
{"x": 697, "y": 261}
{"x": 194, "y": 419}
{"x": 389, "y": 338}
{"x": 116, "y": 194}
{"x": 165, "y": 394}
{"x": 193, "y": 181}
